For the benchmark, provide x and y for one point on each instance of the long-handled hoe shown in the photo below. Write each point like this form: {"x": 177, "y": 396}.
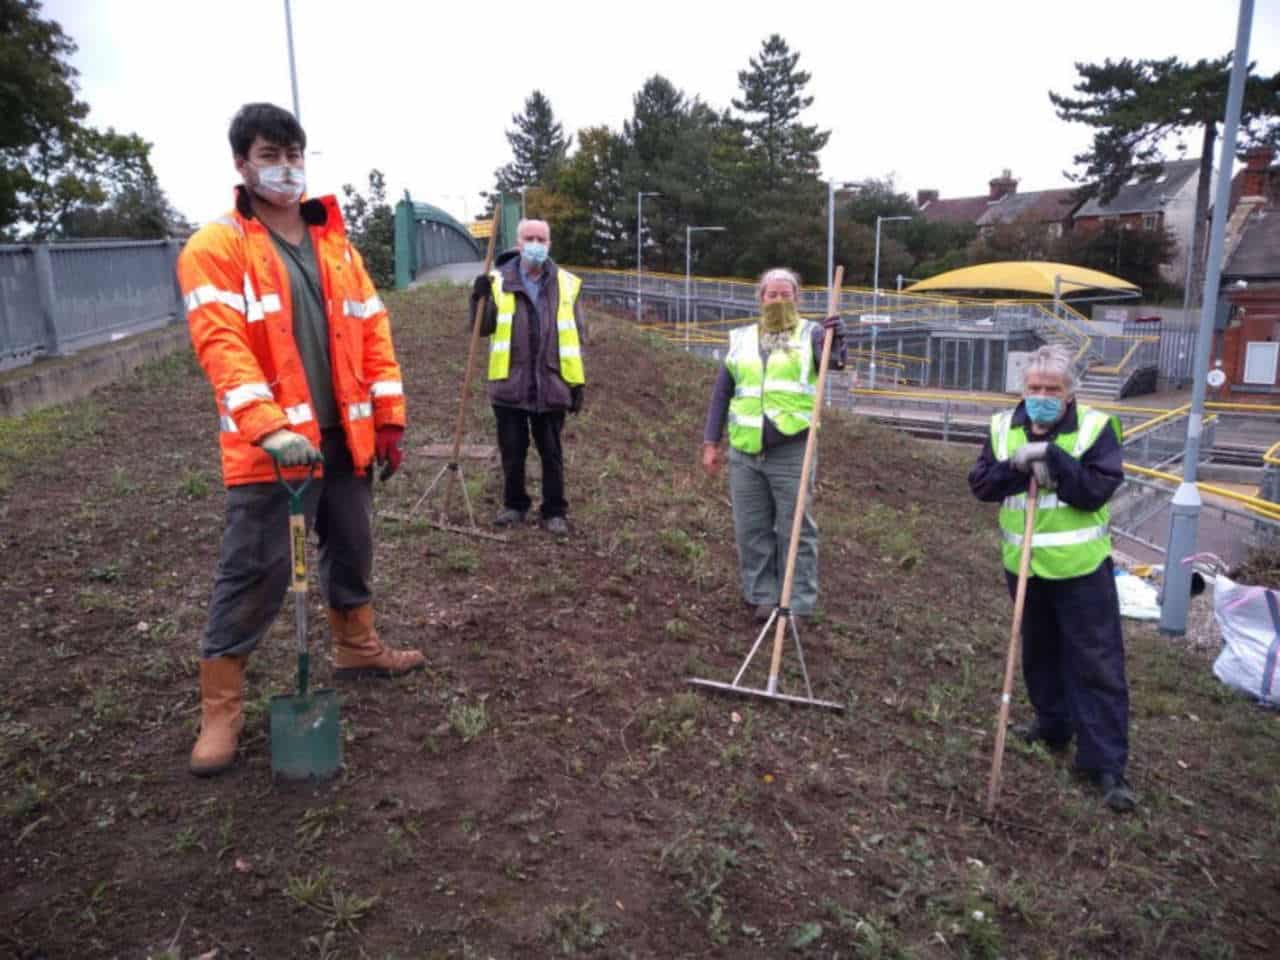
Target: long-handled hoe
{"x": 781, "y": 620}
{"x": 451, "y": 472}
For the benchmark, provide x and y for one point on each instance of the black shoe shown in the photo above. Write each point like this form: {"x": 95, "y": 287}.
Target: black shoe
{"x": 1116, "y": 792}
{"x": 508, "y": 517}
{"x": 1034, "y": 732}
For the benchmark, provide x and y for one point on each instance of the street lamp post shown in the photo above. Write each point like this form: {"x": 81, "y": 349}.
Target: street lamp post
{"x": 875, "y": 295}
{"x": 1185, "y": 506}
{"x": 688, "y": 274}
{"x": 640, "y": 195}
{"x": 831, "y": 224}
{"x": 293, "y": 72}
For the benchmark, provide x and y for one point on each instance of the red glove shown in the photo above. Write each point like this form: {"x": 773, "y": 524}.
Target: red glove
{"x": 387, "y": 452}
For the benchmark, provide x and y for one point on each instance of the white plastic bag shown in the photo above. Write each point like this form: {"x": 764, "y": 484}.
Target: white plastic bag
{"x": 1250, "y": 622}
{"x": 1138, "y": 599}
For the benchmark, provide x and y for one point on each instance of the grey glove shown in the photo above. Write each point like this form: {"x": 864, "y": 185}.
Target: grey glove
{"x": 835, "y": 323}
{"x": 290, "y": 449}
{"x": 1044, "y": 479}
{"x": 1029, "y": 453}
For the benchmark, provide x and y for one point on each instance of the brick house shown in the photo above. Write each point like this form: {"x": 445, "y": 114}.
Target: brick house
{"x": 1168, "y": 200}
{"x": 1247, "y": 344}
{"x": 1001, "y": 204}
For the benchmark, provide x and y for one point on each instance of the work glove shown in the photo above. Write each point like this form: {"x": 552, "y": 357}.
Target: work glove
{"x": 576, "y": 399}
{"x": 482, "y": 287}
{"x": 1030, "y": 453}
{"x": 386, "y": 450}
{"x": 290, "y": 449}
{"x": 1044, "y": 479}
{"x": 836, "y": 323}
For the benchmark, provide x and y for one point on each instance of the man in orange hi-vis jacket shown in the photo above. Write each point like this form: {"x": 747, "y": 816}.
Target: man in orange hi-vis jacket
{"x": 297, "y": 345}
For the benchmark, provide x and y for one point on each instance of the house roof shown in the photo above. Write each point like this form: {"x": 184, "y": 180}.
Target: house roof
{"x": 1039, "y": 206}
{"x": 1258, "y": 252}
{"x": 955, "y": 209}
{"x": 1145, "y": 195}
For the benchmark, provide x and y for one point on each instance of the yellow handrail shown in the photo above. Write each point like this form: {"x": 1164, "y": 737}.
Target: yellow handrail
{"x": 1117, "y": 367}
{"x": 1272, "y": 456}
{"x": 1264, "y": 507}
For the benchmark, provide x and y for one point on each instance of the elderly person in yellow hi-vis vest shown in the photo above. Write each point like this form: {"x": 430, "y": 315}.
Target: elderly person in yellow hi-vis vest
{"x": 1072, "y": 646}
{"x": 766, "y": 390}
{"x": 535, "y": 328}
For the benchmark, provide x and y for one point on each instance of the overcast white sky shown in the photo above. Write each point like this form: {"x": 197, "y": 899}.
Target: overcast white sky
{"x": 938, "y": 93}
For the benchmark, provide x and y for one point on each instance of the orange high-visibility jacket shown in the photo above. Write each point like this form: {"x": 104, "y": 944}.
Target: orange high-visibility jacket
{"x": 236, "y": 289}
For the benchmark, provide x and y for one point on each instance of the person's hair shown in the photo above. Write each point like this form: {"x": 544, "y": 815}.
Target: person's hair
{"x": 1056, "y": 360}
{"x": 274, "y": 124}
{"x": 778, "y": 273}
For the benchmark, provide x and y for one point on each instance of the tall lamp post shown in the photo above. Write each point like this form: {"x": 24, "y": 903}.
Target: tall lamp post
{"x": 831, "y": 224}
{"x": 640, "y": 195}
{"x": 875, "y": 295}
{"x": 1186, "y": 501}
{"x": 688, "y": 275}
{"x": 293, "y": 72}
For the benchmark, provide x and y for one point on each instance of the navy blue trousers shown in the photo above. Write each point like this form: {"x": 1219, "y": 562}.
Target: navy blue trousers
{"x": 1073, "y": 665}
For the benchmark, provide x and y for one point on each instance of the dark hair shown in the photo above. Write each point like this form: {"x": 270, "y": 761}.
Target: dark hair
{"x": 274, "y": 124}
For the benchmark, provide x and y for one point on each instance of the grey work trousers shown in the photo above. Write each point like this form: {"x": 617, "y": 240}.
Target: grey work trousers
{"x": 763, "y": 487}
{"x": 253, "y": 566}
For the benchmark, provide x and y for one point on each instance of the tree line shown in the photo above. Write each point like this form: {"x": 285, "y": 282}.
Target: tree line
{"x": 753, "y": 169}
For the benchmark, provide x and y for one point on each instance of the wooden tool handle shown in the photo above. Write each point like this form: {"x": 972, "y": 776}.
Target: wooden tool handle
{"x": 1011, "y": 658}
{"x": 460, "y": 424}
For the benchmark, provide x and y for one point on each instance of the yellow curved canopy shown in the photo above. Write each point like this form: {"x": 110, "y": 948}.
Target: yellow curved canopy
{"x": 1025, "y": 276}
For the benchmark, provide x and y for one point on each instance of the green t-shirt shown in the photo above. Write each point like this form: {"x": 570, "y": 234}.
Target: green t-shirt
{"x": 310, "y": 325}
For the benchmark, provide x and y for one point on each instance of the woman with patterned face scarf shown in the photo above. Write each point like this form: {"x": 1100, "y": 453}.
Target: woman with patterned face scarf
{"x": 766, "y": 391}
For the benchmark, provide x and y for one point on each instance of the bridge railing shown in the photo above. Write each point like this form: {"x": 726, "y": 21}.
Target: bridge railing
{"x": 58, "y": 298}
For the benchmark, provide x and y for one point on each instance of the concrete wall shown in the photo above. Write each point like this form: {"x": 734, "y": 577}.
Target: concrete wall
{"x": 50, "y": 382}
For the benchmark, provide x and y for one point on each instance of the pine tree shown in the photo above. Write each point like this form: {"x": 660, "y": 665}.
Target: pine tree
{"x": 772, "y": 100}
{"x": 1136, "y": 105}
{"x": 538, "y": 145}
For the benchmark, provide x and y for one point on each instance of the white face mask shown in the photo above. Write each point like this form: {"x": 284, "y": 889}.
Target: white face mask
{"x": 280, "y": 183}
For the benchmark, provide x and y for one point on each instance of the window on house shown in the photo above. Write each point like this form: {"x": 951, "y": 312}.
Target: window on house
{"x": 1055, "y": 230}
{"x": 1150, "y": 221}
{"x": 1260, "y": 362}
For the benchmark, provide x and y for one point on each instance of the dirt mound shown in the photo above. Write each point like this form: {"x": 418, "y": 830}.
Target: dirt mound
{"x": 550, "y": 786}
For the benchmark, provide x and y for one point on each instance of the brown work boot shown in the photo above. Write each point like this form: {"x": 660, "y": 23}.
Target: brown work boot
{"x": 357, "y": 651}
{"x": 221, "y": 715}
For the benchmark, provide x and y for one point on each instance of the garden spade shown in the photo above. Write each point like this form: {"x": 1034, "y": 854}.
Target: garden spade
{"x": 306, "y": 742}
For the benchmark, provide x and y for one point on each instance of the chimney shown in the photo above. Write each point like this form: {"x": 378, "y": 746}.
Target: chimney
{"x": 1257, "y": 165}
{"x": 1002, "y": 186}
{"x": 925, "y": 196}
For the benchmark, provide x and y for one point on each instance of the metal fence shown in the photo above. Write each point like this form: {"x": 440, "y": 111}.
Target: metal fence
{"x": 1177, "y": 355}
{"x": 56, "y": 299}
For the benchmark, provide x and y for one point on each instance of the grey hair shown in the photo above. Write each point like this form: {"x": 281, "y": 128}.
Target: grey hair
{"x": 778, "y": 273}
{"x": 1055, "y": 360}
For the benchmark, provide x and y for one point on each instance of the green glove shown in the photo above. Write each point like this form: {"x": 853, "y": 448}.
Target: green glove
{"x": 291, "y": 449}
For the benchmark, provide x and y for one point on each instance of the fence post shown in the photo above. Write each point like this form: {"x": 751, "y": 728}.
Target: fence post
{"x": 174, "y": 248}
{"x": 403, "y": 242}
{"x": 42, "y": 261}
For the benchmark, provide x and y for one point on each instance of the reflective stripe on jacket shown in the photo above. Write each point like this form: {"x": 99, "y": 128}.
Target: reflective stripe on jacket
{"x": 783, "y": 392}
{"x": 569, "y": 346}
{"x": 236, "y": 291}
{"x": 1065, "y": 542}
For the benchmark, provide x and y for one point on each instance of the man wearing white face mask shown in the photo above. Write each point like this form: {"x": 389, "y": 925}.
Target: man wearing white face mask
{"x": 535, "y": 328}
{"x": 1072, "y": 645}
{"x": 297, "y": 346}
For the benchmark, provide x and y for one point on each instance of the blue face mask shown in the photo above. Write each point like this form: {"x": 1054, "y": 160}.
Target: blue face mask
{"x": 1044, "y": 410}
{"x": 534, "y": 253}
